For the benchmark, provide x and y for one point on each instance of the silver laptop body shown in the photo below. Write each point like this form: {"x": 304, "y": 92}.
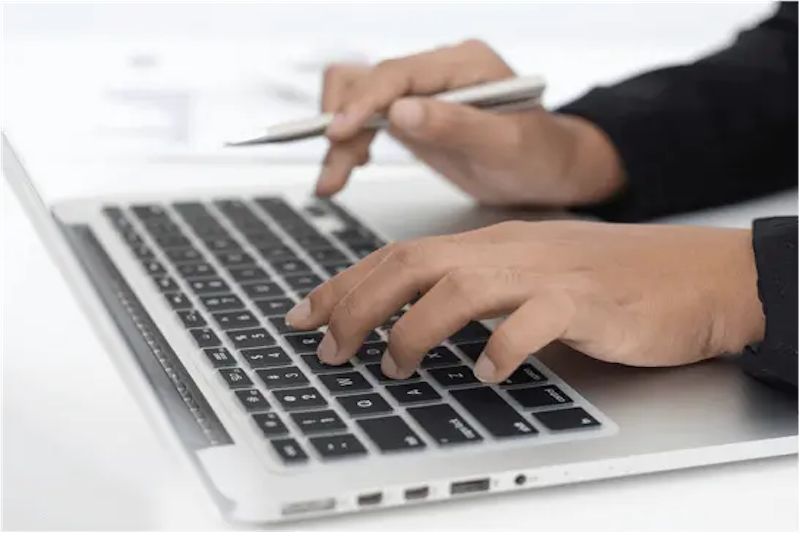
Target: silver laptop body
{"x": 273, "y": 436}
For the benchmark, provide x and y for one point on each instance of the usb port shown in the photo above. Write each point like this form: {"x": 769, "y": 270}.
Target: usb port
{"x": 419, "y": 493}
{"x": 467, "y": 487}
{"x": 370, "y": 499}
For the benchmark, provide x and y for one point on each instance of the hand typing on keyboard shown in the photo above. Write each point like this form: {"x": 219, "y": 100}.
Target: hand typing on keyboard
{"x": 620, "y": 293}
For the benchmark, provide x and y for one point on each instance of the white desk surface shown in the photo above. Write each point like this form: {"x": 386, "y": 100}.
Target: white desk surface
{"x": 78, "y": 454}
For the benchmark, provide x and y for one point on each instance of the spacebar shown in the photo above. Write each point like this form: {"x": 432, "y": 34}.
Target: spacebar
{"x": 493, "y": 412}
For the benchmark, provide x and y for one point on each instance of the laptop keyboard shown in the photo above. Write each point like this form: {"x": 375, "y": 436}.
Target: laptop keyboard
{"x": 231, "y": 271}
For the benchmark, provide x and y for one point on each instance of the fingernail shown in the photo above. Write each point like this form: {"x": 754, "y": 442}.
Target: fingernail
{"x": 408, "y": 114}
{"x": 299, "y": 312}
{"x": 389, "y": 367}
{"x": 485, "y": 369}
{"x": 326, "y": 352}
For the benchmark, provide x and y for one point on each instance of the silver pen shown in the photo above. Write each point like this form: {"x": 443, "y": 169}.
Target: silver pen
{"x": 505, "y": 96}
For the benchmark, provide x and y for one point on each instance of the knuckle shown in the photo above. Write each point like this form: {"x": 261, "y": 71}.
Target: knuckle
{"x": 347, "y": 316}
{"x": 474, "y": 44}
{"x": 408, "y": 254}
{"x": 459, "y": 282}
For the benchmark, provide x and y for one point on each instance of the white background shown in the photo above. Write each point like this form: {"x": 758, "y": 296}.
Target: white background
{"x": 77, "y": 453}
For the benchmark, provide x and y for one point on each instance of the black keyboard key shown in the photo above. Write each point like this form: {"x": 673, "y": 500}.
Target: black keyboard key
{"x": 270, "y": 424}
{"x": 236, "y": 378}
{"x": 303, "y": 343}
{"x": 280, "y": 324}
{"x": 275, "y": 306}
{"x": 222, "y": 245}
{"x": 493, "y": 413}
{"x": 440, "y": 356}
{"x": 332, "y": 270}
{"x": 299, "y": 399}
{"x": 290, "y": 266}
{"x": 209, "y": 286}
{"x": 252, "y": 400}
{"x": 563, "y": 419}
{"x": 445, "y": 425}
{"x": 251, "y": 338}
{"x": 524, "y": 375}
{"x": 303, "y": 281}
{"x": 337, "y": 446}
{"x": 472, "y": 332}
{"x": 364, "y": 404}
{"x": 131, "y": 237}
{"x": 276, "y": 253}
{"x": 372, "y": 336}
{"x": 248, "y": 274}
{"x": 261, "y": 237}
{"x": 282, "y": 378}
{"x": 232, "y": 259}
{"x": 166, "y": 284}
{"x": 375, "y": 370}
{"x": 205, "y": 338}
{"x": 345, "y": 382}
{"x": 263, "y": 290}
{"x": 225, "y": 302}
{"x": 309, "y": 240}
{"x": 327, "y": 256}
{"x": 196, "y": 271}
{"x": 391, "y": 434}
{"x": 289, "y": 450}
{"x": 236, "y": 319}
{"x": 142, "y": 251}
{"x": 302, "y": 294}
{"x": 543, "y": 396}
{"x": 472, "y": 350}
{"x": 220, "y": 357}
{"x": 146, "y": 212}
{"x": 371, "y": 352}
{"x": 154, "y": 268}
{"x": 184, "y": 255}
{"x": 409, "y": 393}
{"x": 191, "y": 318}
{"x": 266, "y": 357}
{"x": 178, "y": 300}
{"x": 172, "y": 241}
{"x": 318, "y": 367}
{"x": 454, "y": 376}
{"x": 358, "y": 234}
{"x": 315, "y": 422}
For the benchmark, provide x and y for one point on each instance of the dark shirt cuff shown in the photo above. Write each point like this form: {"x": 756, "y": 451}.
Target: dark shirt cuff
{"x": 774, "y": 360}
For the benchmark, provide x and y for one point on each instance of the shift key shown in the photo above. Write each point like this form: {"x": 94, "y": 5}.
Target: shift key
{"x": 444, "y": 425}
{"x": 493, "y": 413}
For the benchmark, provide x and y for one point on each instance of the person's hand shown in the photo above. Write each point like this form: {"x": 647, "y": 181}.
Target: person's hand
{"x": 526, "y": 158}
{"x": 637, "y": 295}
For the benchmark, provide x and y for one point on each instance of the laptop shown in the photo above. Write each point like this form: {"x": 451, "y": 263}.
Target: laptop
{"x": 189, "y": 294}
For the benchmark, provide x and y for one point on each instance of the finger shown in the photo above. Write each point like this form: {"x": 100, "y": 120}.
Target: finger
{"x": 545, "y": 317}
{"x": 405, "y": 271}
{"x": 315, "y": 309}
{"x": 458, "y": 128}
{"x": 340, "y": 161}
{"x": 426, "y": 73}
{"x": 337, "y": 81}
{"x": 460, "y": 296}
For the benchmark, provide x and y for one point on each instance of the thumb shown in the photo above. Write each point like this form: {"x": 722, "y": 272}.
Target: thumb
{"x": 453, "y": 126}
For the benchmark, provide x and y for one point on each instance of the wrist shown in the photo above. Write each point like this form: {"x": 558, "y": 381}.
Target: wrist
{"x": 742, "y": 321}
{"x": 592, "y": 166}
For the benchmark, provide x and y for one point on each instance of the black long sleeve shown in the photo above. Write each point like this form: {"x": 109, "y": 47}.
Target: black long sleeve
{"x": 720, "y": 130}
{"x": 717, "y": 131}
